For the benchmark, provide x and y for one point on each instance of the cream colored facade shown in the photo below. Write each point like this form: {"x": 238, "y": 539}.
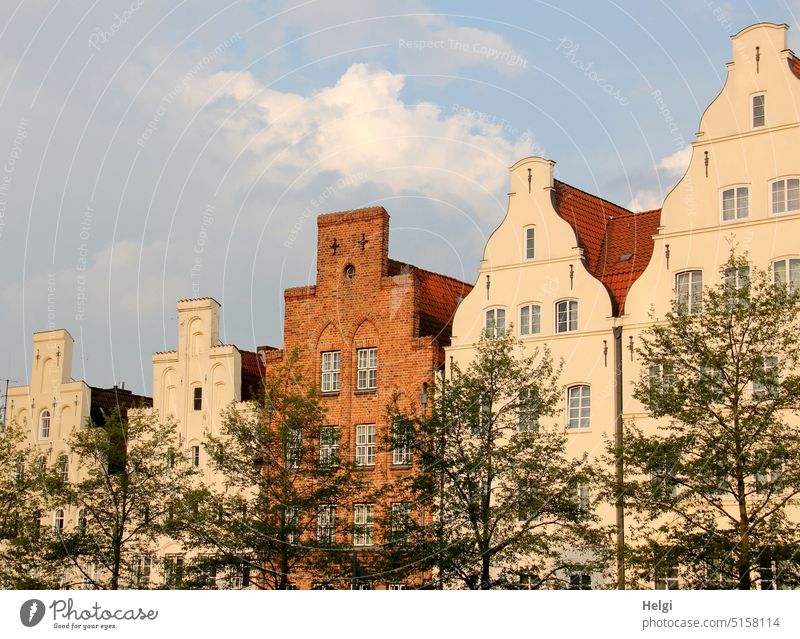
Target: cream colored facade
{"x": 734, "y": 149}
{"x": 196, "y": 383}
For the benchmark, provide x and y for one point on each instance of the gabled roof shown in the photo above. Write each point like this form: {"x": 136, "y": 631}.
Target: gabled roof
{"x": 439, "y": 297}
{"x": 617, "y": 243}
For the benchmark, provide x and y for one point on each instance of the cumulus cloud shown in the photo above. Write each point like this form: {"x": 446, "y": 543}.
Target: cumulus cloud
{"x": 359, "y": 125}
{"x": 670, "y": 169}
{"x": 675, "y": 165}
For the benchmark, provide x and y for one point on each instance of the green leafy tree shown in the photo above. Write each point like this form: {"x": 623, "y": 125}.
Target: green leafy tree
{"x": 505, "y": 506}
{"x": 133, "y": 477}
{"x": 279, "y": 512}
{"x": 25, "y": 558}
{"x": 711, "y": 489}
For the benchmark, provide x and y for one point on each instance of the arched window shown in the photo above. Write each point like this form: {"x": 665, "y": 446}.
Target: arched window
{"x": 785, "y": 195}
{"x": 566, "y": 316}
{"x": 44, "y": 424}
{"x": 495, "y": 322}
{"x": 579, "y": 407}
{"x": 787, "y": 271}
{"x": 58, "y": 520}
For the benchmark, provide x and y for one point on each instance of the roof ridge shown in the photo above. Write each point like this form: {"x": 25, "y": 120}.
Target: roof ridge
{"x": 426, "y": 271}
{"x": 597, "y": 197}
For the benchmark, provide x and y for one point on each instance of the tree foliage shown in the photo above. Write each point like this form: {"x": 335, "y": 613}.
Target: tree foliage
{"x": 710, "y": 489}
{"x": 262, "y": 517}
{"x": 501, "y": 495}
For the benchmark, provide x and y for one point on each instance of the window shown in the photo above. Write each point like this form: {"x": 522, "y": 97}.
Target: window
{"x": 58, "y": 520}
{"x": 689, "y": 292}
{"x": 363, "y": 524}
{"x": 239, "y": 577}
{"x": 759, "y": 110}
{"x": 326, "y": 524}
{"x": 764, "y": 387}
{"x": 44, "y": 424}
{"x": 173, "y": 570}
{"x": 63, "y": 468}
{"x": 661, "y": 378}
{"x": 566, "y": 316}
{"x": 195, "y": 456}
{"x": 294, "y": 448}
{"x": 401, "y": 519}
{"x": 402, "y": 442}
{"x": 528, "y": 581}
{"x": 662, "y": 480}
{"x": 578, "y": 407}
{"x": 81, "y": 521}
{"x": 582, "y": 496}
{"x": 530, "y": 236}
{"x": 769, "y": 475}
{"x": 198, "y": 398}
{"x": 495, "y": 322}
{"x": 41, "y": 465}
{"x": 711, "y": 380}
{"x": 484, "y": 421}
{"x": 140, "y": 571}
{"x": 367, "y": 369}
{"x": 329, "y": 446}
{"x": 786, "y": 195}
{"x": 331, "y": 367}
{"x": 787, "y": 272}
{"x": 398, "y": 587}
{"x": 530, "y": 319}
{"x": 292, "y": 523}
{"x": 170, "y": 458}
{"x": 666, "y": 578}
{"x": 19, "y": 471}
{"x": 737, "y": 277}
{"x": 735, "y": 203}
{"x": 527, "y": 418}
{"x": 767, "y": 569}
{"x": 580, "y": 581}
{"x": 365, "y": 445}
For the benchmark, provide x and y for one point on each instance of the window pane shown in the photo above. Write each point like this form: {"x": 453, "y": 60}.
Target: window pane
{"x": 536, "y": 319}
{"x": 758, "y": 110}
{"x": 742, "y": 202}
{"x": 529, "y": 243}
{"x": 793, "y": 194}
{"x": 779, "y": 272}
{"x": 573, "y": 315}
{"x": 794, "y": 275}
{"x": 778, "y": 196}
{"x": 524, "y": 320}
{"x": 727, "y": 204}
{"x": 501, "y": 321}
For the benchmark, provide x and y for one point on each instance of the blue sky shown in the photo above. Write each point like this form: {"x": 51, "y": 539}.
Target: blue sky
{"x": 155, "y": 151}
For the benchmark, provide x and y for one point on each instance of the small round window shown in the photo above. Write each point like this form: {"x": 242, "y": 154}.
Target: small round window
{"x": 349, "y": 271}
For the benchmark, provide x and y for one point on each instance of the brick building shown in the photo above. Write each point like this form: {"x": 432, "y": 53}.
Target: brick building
{"x": 370, "y": 329}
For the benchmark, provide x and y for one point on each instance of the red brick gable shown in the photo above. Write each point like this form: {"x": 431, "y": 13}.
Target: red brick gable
{"x": 617, "y": 243}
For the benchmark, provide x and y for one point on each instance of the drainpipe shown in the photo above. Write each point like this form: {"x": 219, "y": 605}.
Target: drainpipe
{"x": 618, "y": 449}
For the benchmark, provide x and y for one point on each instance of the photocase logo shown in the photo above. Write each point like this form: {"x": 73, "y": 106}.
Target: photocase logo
{"x": 31, "y": 612}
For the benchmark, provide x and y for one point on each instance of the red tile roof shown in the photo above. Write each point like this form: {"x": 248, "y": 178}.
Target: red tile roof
{"x": 607, "y": 232}
{"x": 439, "y": 296}
{"x": 252, "y": 374}
{"x": 794, "y": 65}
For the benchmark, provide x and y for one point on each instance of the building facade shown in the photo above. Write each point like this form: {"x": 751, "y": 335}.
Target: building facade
{"x": 581, "y": 275}
{"x": 372, "y": 331}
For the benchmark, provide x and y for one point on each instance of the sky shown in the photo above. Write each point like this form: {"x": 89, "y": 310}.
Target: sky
{"x": 152, "y": 151}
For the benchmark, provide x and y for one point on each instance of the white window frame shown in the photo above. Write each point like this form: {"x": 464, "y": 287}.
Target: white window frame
{"x": 367, "y": 368}
{"x": 580, "y": 581}
{"x": 81, "y": 521}
{"x": 530, "y": 319}
{"x": 666, "y": 578}
{"x": 494, "y": 327}
{"x": 195, "y": 455}
{"x": 58, "y": 520}
{"x": 141, "y": 572}
{"x": 784, "y": 192}
{"x": 365, "y": 445}
{"x": 762, "y": 106}
{"x": 693, "y": 286}
{"x": 331, "y": 363}
{"x": 793, "y": 282}
{"x": 363, "y": 524}
{"x": 329, "y": 446}
{"x": 326, "y": 523}
{"x": 44, "y": 424}
{"x": 739, "y": 192}
{"x": 570, "y": 313}
{"x": 401, "y": 444}
{"x": 527, "y": 419}
{"x": 294, "y": 448}
{"x": 63, "y": 468}
{"x": 529, "y": 247}
{"x": 579, "y": 417}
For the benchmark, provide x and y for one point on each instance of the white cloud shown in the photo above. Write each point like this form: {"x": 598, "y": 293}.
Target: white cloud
{"x": 645, "y": 201}
{"x": 675, "y": 165}
{"x": 359, "y": 125}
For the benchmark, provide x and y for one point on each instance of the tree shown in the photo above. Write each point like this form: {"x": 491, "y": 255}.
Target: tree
{"x": 278, "y": 513}
{"x": 25, "y": 560}
{"x": 507, "y": 508}
{"x": 133, "y": 477}
{"x": 712, "y": 487}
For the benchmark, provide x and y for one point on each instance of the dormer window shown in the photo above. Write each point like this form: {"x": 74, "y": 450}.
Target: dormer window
{"x": 759, "y": 110}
